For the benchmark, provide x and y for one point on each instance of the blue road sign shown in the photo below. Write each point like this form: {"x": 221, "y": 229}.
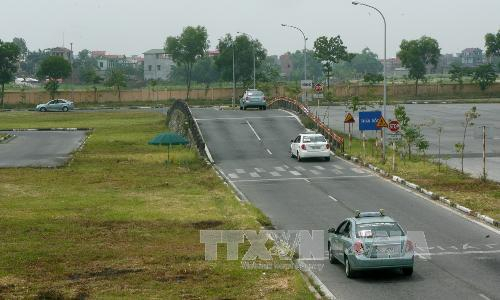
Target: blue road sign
{"x": 368, "y": 120}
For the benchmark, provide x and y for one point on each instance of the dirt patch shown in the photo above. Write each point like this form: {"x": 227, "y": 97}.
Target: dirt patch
{"x": 105, "y": 273}
{"x": 209, "y": 224}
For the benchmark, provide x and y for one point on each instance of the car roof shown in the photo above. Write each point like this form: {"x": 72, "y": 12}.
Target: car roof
{"x": 366, "y": 220}
{"x": 312, "y": 134}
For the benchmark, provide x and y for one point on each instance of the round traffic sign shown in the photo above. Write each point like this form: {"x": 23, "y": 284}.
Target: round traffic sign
{"x": 394, "y": 126}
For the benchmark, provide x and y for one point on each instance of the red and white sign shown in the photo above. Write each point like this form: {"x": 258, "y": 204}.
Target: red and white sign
{"x": 318, "y": 88}
{"x": 394, "y": 126}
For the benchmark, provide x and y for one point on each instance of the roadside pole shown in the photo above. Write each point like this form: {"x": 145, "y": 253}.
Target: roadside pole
{"x": 440, "y": 130}
{"x": 484, "y": 153}
{"x": 393, "y": 156}
{"x": 364, "y": 144}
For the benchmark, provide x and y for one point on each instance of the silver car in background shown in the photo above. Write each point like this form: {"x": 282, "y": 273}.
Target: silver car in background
{"x": 253, "y": 98}
{"x": 56, "y": 105}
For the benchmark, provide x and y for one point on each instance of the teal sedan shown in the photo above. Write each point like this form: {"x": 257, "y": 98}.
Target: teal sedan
{"x": 369, "y": 241}
{"x": 56, "y": 105}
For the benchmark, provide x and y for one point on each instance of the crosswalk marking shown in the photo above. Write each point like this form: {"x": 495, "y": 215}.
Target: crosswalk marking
{"x": 300, "y": 168}
{"x": 319, "y": 167}
{"x": 279, "y": 169}
{"x": 338, "y": 172}
{"x": 315, "y": 172}
{"x": 254, "y": 174}
{"x": 240, "y": 171}
{"x": 295, "y": 173}
{"x": 260, "y": 170}
{"x": 233, "y": 176}
{"x": 338, "y": 167}
{"x": 275, "y": 174}
{"x": 357, "y": 170}
{"x": 286, "y": 167}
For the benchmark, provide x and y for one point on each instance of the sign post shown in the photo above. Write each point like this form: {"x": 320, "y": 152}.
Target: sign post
{"x": 381, "y": 124}
{"x": 394, "y": 128}
{"x": 349, "y": 119}
{"x": 305, "y": 85}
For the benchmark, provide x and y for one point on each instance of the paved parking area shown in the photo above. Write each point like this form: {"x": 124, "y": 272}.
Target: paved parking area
{"x": 39, "y": 148}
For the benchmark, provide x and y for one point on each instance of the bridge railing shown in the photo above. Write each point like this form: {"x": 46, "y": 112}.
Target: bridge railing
{"x": 336, "y": 140}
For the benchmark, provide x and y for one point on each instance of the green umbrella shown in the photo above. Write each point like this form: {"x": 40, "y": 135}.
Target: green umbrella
{"x": 168, "y": 138}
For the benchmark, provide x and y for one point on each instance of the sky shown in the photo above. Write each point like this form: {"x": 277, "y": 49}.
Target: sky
{"x": 133, "y": 27}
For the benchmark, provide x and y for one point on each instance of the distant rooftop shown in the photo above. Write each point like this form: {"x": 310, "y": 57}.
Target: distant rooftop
{"x": 155, "y": 51}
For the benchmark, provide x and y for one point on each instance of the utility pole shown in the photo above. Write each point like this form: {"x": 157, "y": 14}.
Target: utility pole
{"x": 484, "y": 153}
{"x": 234, "y": 80}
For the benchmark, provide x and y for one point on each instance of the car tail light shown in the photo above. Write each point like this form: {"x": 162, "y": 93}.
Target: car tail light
{"x": 358, "y": 248}
{"x": 409, "y": 247}
{"x": 327, "y": 146}
{"x": 303, "y": 146}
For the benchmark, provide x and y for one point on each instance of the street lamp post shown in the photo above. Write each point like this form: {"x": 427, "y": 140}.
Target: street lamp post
{"x": 385, "y": 67}
{"x": 305, "y": 52}
{"x": 234, "y": 81}
{"x": 253, "y": 46}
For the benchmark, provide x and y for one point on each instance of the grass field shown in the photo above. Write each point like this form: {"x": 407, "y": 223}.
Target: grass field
{"x": 480, "y": 196}
{"x": 120, "y": 223}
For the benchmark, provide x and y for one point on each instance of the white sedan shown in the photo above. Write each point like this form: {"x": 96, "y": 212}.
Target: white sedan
{"x": 308, "y": 145}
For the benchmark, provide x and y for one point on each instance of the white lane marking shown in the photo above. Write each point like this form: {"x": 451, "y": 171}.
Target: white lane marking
{"x": 319, "y": 167}
{"x": 254, "y": 174}
{"x": 275, "y": 174}
{"x": 286, "y": 167}
{"x": 301, "y": 178}
{"x": 234, "y": 118}
{"x": 258, "y": 137}
{"x": 295, "y": 173}
{"x": 331, "y": 197}
{"x": 240, "y": 171}
{"x": 336, "y": 171}
{"x": 269, "y": 151}
{"x": 260, "y": 170}
{"x": 338, "y": 167}
{"x": 315, "y": 172}
{"x": 300, "y": 168}
{"x": 358, "y": 170}
{"x": 307, "y": 180}
{"x": 458, "y": 253}
{"x": 484, "y": 296}
{"x": 234, "y": 176}
{"x": 281, "y": 169}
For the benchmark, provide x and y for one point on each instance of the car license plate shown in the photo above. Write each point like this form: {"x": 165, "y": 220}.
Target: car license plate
{"x": 315, "y": 147}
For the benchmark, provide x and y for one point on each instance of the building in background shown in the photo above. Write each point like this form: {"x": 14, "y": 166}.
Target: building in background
{"x": 285, "y": 62}
{"x": 472, "y": 57}
{"x": 157, "y": 65}
{"x": 62, "y": 52}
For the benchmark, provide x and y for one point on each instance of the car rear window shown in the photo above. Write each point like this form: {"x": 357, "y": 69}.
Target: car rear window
{"x": 379, "y": 229}
{"x": 314, "y": 139}
{"x": 256, "y": 94}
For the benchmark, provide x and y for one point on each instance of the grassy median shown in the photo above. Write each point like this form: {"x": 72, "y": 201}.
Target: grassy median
{"x": 474, "y": 193}
{"x": 120, "y": 223}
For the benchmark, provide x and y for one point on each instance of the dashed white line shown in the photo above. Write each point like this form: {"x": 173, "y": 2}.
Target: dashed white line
{"x": 338, "y": 167}
{"x": 301, "y": 178}
{"x": 336, "y": 171}
{"x": 331, "y": 197}
{"x": 258, "y": 137}
{"x": 233, "y": 118}
{"x": 315, "y": 172}
{"x": 240, "y": 171}
{"x": 269, "y": 151}
{"x": 295, "y": 173}
{"x": 319, "y": 167}
{"x": 275, "y": 174}
{"x": 300, "y": 168}
{"x": 233, "y": 175}
{"x": 254, "y": 174}
{"x": 281, "y": 169}
{"x": 260, "y": 170}
{"x": 357, "y": 170}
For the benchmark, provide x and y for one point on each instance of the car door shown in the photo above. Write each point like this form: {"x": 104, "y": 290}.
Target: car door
{"x": 51, "y": 105}
{"x": 294, "y": 144}
{"x": 337, "y": 243}
{"x": 346, "y": 239}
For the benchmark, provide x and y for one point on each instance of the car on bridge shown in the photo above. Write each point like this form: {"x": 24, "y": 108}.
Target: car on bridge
{"x": 253, "y": 98}
{"x": 56, "y": 105}
{"x": 309, "y": 145}
{"x": 370, "y": 240}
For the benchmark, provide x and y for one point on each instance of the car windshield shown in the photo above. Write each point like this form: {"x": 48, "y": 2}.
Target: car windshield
{"x": 255, "y": 94}
{"x": 379, "y": 229}
{"x": 314, "y": 139}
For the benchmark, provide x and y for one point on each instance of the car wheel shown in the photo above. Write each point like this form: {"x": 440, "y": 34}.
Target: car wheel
{"x": 348, "y": 271}
{"x": 43, "y": 109}
{"x": 331, "y": 257}
{"x": 298, "y": 156}
{"x": 65, "y": 109}
{"x": 264, "y": 108}
{"x": 327, "y": 158}
{"x": 407, "y": 271}
{"x": 241, "y": 108}
{"x": 244, "y": 108}
{"x": 291, "y": 154}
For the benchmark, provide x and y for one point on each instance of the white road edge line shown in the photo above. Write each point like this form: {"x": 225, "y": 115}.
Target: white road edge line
{"x": 331, "y": 197}
{"x": 269, "y": 151}
{"x": 258, "y": 137}
{"x": 484, "y": 296}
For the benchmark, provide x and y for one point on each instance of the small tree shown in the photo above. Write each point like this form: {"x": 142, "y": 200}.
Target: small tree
{"x": 484, "y": 76}
{"x": 89, "y": 76}
{"x": 330, "y": 51}
{"x": 54, "y": 68}
{"x": 187, "y": 48}
{"x": 492, "y": 43}
{"x": 9, "y": 56}
{"x": 373, "y": 78}
{"x": 412, "y": 134}
{"x": 117, "y": 79}
{"x": 470, "y": 116}
{"x": 457, "y": 74}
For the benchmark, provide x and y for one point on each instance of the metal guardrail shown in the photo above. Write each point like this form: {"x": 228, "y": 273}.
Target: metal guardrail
{"x": 289, "y": 103}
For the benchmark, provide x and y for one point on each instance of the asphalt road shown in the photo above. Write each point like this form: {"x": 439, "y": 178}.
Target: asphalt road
{"x": 251, "y": 148}
{"x": 39, "y": 148}
{"x": 450, "y": 117}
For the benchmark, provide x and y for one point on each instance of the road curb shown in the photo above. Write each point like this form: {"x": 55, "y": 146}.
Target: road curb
{"x": 431, "y": 195}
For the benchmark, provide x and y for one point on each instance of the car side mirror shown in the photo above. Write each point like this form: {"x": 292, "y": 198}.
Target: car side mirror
{"x": 331, "y": 230}
{"x": 291, "y": 141}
